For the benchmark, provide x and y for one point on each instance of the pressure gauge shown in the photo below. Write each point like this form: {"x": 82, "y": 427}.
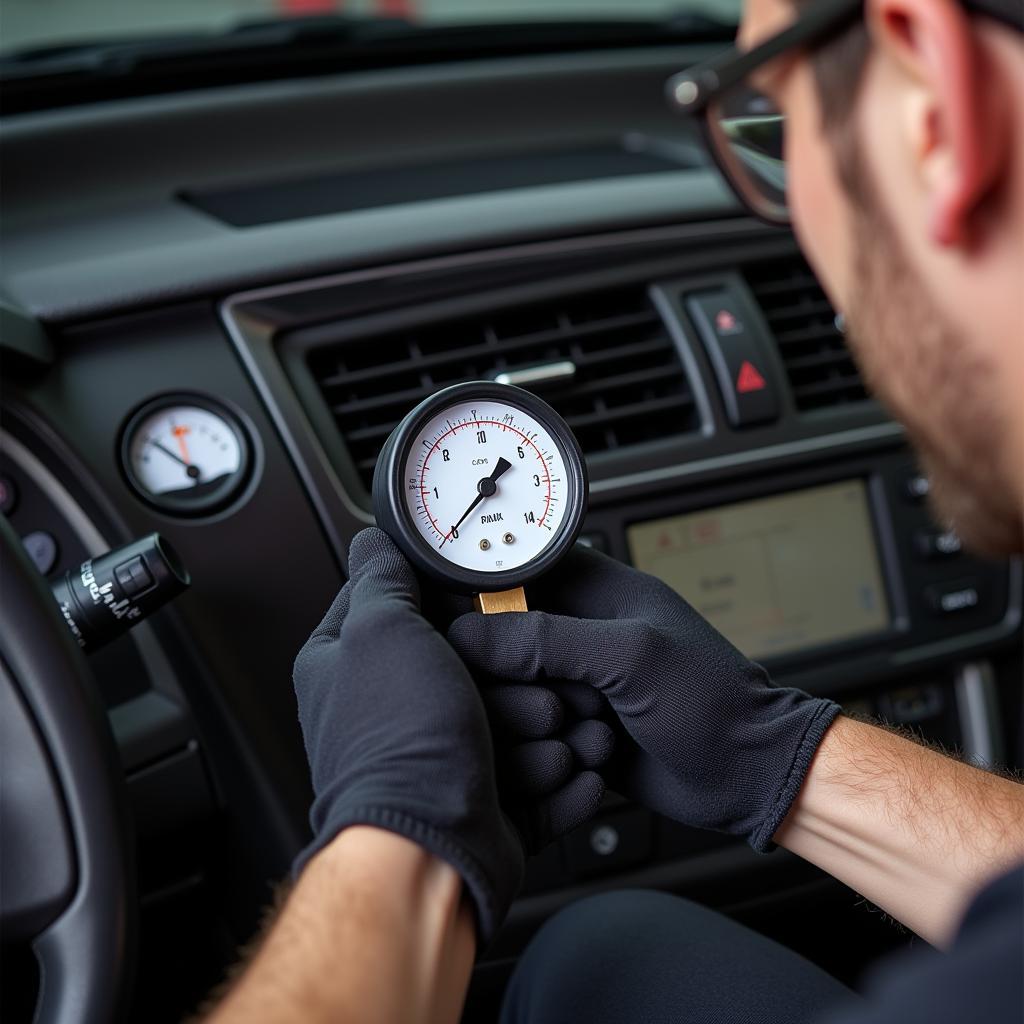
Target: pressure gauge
{"x": 185, "y": 454}
{"x": 482, "y": 486}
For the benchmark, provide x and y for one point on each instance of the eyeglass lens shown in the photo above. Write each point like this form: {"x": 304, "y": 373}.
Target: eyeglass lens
{"x": 748, "y": 132}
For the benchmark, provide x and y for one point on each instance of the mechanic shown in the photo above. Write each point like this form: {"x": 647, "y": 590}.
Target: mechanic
{"x": 905, "y": 146}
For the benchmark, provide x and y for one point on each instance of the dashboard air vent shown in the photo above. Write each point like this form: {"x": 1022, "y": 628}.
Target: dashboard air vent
{"x": 615, "y": 375}
{"x": 819, "y": 365}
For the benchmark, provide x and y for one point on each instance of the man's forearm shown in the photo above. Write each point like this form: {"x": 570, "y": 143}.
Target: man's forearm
{"x": 915, "y": 832}
{"x": 376, "y": 930}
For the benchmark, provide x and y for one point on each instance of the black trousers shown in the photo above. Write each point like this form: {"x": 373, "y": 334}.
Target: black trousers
{"x": 637, "y": 957}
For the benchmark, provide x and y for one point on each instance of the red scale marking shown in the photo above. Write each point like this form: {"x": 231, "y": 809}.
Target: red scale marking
{"x": 485, "y": 423}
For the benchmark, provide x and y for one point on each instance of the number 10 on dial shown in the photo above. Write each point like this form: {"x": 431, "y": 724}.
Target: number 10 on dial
{"x": 483, "y": 486}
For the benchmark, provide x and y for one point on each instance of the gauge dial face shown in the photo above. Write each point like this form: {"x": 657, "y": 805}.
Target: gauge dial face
{"x": 485, "y": 485}
{"x": 185, "y": 457}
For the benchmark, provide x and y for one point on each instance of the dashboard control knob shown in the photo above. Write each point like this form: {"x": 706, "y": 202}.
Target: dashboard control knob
{"x": 42, "y": 549}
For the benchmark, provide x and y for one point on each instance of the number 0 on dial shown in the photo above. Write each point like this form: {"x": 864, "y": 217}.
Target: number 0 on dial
{"x": 483, "y": 486}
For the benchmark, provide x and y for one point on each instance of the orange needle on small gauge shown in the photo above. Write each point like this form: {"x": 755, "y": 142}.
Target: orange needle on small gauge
{"x": 179, "y": 433}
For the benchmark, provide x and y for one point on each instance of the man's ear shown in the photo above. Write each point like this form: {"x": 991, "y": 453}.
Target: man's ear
{"x": 959, "y": 137}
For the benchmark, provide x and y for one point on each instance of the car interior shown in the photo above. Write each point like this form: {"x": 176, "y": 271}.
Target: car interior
{"x": 249, "y": 238}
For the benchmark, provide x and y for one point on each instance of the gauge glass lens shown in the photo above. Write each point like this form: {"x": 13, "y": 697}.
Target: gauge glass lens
{"x": 485, "y": 485}
{"x": 183, "y": 448}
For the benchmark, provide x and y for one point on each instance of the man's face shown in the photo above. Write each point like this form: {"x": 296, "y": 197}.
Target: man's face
{"x": 854, "y": 202}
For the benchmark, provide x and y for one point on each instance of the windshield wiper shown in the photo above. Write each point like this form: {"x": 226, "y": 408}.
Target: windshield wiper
{"x": 42, "y": 77}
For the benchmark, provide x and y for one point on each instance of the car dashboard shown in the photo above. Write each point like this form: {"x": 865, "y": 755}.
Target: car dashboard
{"x": 304, "y": 261}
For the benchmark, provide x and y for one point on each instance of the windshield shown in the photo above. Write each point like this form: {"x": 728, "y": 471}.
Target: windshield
{"x": 32, "y": 23}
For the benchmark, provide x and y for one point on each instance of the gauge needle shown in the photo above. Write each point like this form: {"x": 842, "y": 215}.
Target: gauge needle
{"x": 179, "y": 433}
{"x": 192, "y": 471}
{"x": 486, "y": 486}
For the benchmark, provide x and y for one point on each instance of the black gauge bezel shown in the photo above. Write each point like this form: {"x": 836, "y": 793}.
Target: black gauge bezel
{"x": 185, "y": 503}
{"x": 394, "y": 518}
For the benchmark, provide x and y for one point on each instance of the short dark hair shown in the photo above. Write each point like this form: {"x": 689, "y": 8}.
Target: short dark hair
{"x": 839, "y": 64}
{"x": 839, "y": 67}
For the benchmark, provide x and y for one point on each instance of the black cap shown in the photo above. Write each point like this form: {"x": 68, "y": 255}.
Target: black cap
{"x": 1009, "y": 12}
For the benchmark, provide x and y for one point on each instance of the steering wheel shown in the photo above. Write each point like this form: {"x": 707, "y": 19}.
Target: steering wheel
{"x": 66, "y": 870}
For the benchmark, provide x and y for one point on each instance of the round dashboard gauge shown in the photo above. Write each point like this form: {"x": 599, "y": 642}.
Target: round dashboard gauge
{"x": 185, "y": 454}
{"x": 483, "y": 486}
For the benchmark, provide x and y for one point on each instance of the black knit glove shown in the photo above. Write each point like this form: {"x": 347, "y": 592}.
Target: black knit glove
{"x": 713, "y": 743}
{"x": 397, "y": 737}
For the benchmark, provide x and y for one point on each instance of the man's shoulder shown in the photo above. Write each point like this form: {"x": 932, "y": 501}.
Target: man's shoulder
{"x": 981, "y": 978}
{"x": 1000, "y": 901}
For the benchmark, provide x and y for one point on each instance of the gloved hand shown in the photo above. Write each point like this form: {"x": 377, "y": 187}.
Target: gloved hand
{"x": 542, "y": 740}
{"x": 714, "y": 743}
{"x": 397, "y": 737}
{"x": 547, "y": 752}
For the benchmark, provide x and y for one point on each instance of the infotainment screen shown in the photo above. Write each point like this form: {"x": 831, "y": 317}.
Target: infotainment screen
{"x": 775, "y": 575}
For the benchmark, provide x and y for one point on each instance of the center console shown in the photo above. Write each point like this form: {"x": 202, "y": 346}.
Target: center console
{"x": 833, "y": 573}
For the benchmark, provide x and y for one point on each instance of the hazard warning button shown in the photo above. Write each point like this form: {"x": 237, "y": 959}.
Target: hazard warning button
{"x": 749, "y": 379}
{"x": 736, "y": 348}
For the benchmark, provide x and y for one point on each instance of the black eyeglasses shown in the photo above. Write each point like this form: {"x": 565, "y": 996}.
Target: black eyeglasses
{"x": 743, "y": 127}
{"x": 745, "y": 130}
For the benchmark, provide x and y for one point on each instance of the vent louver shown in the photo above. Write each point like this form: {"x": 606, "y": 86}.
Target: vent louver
{"x": 628, "y": 388}
{"x": 820, "y": 368}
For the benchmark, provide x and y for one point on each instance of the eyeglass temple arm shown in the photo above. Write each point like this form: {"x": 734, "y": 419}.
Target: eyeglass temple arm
{"x": 691, "y": 91}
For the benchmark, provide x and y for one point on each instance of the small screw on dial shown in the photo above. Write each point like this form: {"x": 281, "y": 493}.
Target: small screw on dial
{"x": 509, "y": 538}
{"x": 485, "y": 545}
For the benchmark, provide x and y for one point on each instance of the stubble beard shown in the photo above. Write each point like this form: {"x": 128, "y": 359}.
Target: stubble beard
{"x": 931, "y": 379}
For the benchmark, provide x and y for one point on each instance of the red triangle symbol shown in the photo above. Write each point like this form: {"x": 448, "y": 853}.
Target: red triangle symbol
{"x": 749, "y": 379}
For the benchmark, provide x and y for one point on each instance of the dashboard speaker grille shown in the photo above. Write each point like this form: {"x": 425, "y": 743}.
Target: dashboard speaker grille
{"x": 820, "y": 368}
{"x": 614, "y": 373}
